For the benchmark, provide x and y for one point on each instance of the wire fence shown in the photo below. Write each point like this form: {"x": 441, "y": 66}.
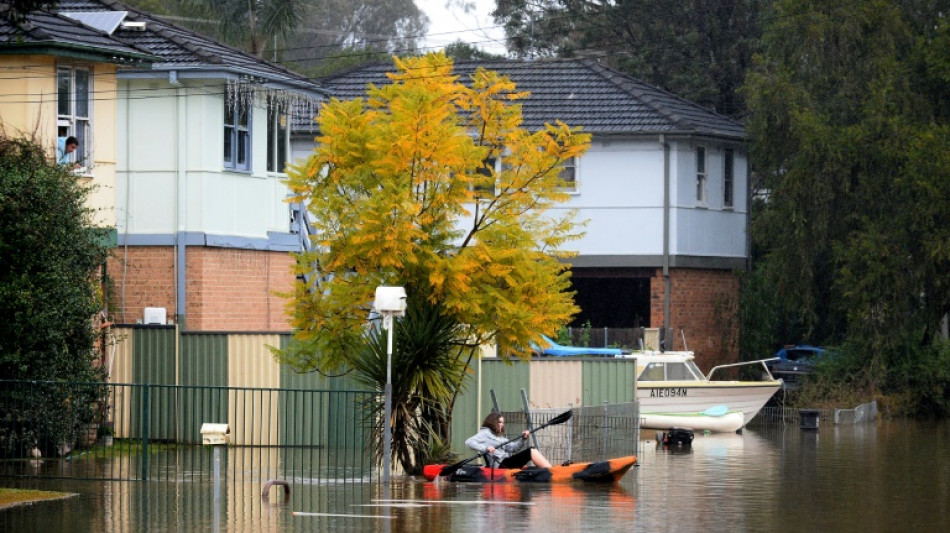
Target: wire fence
{"x": 593, "y": 433}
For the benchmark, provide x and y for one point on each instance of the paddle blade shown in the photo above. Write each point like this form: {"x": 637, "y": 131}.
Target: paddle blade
{"x": 559, "y": 419}
{"x": 716, "y": 410}
{"x": 450, "y": 469}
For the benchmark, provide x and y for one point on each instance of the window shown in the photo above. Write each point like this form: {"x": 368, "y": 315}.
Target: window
{"x": 237, "y": 133}
{"x": 701, "y": 175}
{"x": 728, "y": 179}
{"x": 568, "y": 175}
{"x": 277, "y": 133}
{"x": 484, "y": 186}
{"x": 74, "y": 112}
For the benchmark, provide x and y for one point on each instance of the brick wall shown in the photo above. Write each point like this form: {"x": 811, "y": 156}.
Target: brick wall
{"x": 141, "y": 276}
{"x": 226, "y": 289}
{"x": 233, "y": 290}
{"x": 702, "y": 304}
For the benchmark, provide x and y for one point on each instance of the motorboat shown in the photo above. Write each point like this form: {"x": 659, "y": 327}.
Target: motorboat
{"x": 670, "y": 384}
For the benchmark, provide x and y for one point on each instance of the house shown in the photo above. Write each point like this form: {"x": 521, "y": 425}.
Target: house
{"x": 664, "y": 187}
{"x": 198, "y": 137}
{"x": 60, "y": 80}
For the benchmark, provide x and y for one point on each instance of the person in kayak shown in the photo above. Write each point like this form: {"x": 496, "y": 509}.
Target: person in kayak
{"x": 490, "y": 440}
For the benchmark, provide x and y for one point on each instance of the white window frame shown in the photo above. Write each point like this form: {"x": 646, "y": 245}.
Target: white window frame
{"x": 74, "y": 111}
{"x": 237, "y": 132}
{"x": 728, "y": 178}
{"x": 701, "y": 176}
{"x": 278, "y": 137}
{"x": 570, "y": 166}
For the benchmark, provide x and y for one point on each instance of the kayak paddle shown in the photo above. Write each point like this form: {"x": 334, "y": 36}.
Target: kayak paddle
{"x": 716, "y": 410}
{"x": 559, "y": 419}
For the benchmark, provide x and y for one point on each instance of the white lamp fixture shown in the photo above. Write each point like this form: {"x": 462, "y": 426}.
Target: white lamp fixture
{"x": 390, "y": 302}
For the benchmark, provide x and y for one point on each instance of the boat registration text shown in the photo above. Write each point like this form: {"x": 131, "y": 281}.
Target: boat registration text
{"x": 668, "y": 392}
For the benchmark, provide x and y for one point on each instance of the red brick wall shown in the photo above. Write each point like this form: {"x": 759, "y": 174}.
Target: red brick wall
{"x": 226, "y": 289}
{"x": 141, "y": 276}
{"x": 233, "y": 290}
{"x": 702, "y": 304}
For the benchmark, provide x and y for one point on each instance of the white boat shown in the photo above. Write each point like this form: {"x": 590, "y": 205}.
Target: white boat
{"x": 670, "y": 383}
{"x": 729, "y": 422}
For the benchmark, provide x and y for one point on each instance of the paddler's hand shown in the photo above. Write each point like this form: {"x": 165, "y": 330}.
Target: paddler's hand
{"x": 525, "y": 433}
{"x": 490, "y": 449}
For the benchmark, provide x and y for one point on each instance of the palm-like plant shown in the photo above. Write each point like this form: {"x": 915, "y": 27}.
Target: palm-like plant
{"x": 430, "y": 361}
{"x": 247, "y": 23}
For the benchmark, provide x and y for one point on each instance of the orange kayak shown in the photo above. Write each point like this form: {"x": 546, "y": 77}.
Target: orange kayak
{"x": 609, "y": 471}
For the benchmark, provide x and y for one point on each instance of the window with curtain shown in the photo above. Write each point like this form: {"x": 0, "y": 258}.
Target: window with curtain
{"x": 701, "y": 175}
{"x": 277, "y": 135}
{"x": 74, "y": 112}
{"x": 237, "y": 133}
{"x": 728, "y": 179}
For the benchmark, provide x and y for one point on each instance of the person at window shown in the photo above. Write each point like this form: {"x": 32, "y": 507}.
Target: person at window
{"x": 490, "y": 440}
{"x": 67, "y": 147}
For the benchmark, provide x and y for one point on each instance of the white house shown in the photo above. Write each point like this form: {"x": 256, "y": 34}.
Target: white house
{"x": 664, "y": 187}
{"x": 202, "y": 140}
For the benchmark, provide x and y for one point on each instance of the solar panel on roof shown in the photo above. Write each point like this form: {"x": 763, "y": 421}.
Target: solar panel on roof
{"x": 105, "y": 21}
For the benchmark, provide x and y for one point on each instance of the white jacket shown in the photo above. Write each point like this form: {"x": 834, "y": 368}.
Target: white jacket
{"x": 485, "y": 438}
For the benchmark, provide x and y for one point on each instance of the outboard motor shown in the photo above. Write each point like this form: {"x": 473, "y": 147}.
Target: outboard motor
{"x": 675, "y": 438}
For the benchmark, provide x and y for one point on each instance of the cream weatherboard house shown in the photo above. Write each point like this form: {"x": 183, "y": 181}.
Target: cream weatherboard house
{"x": 189, "y": 139}
{"x": 664, "y": 187}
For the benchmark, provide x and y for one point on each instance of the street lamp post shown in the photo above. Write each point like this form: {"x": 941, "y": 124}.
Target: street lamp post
{"x": 390, "y": 302}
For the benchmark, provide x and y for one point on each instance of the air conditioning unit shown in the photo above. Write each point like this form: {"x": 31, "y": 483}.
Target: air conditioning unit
{"x": 154, "y": 315}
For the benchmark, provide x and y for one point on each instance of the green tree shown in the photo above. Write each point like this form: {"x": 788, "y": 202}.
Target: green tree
{"x": 51, "y": 254}
{"x": 849, "y": 116}
{"x": 433, "y": 185}
{"x": 15, "y": 10}
{"x": 332, "y": 28}
{"x": 462, "y": 51}
{"x": 430, "y": 364}
{"x": 254, "y": 26}
{"x": 698, "y": 49}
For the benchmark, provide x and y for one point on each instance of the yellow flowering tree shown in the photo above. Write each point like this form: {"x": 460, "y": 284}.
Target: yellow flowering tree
{"x": 432, "y": 184}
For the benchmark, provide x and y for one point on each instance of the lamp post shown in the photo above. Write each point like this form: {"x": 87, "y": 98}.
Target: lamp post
{"x": 390, "y": 302}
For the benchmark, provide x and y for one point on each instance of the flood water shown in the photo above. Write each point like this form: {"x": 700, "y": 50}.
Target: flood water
{"x": 884, "y": 476}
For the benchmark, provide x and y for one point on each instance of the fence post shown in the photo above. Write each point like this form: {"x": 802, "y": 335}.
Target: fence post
{"x": 527, "y": 416}
{"x": 570, "y": 435}
{"x": 145, "y": 429}
{"x": 604, "y": 432}
{"x": 606, "y": 344}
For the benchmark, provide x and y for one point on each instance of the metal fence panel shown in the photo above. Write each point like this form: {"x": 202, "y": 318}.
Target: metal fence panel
{"x": 609, "y": 380}
{"x": 154, "y": 362}
{"x": 71, "y": 444}
{"x": 203, "y": 362}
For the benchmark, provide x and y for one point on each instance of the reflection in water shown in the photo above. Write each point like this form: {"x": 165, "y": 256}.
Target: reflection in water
{"x": 889, "y": 476}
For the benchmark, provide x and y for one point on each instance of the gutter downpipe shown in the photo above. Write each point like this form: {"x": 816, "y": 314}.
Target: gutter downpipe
{"x": 181, "y": 207}
{"x": 666, "y": 241}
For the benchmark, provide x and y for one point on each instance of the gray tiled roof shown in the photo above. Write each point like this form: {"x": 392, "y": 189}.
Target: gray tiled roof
{"x": 577, "y": 92}
{"x": 51, "y": 31}
{"x": 176, "y": 48}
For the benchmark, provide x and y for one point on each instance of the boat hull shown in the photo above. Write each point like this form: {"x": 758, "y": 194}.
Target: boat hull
{"x": 727, "y": 423}
{"x": 692, "y": 397}
{"x": 609, "y": 471}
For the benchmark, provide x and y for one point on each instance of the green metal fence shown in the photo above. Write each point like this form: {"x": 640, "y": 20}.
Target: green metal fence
{"x": 114, "y": 431}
